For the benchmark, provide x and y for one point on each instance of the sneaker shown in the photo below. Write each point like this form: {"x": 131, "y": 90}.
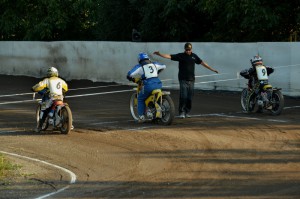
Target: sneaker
{"x": 182, "y": 115}
{"x": 188, "y": 116}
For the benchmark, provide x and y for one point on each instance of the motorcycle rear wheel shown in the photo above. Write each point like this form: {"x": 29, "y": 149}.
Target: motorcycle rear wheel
{"x": 168, "y": 110}
{"x": 66, "y": 119}
{"x": 277, "y": 102}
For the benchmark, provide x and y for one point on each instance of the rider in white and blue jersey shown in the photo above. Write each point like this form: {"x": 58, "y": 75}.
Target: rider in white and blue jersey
{"x": 147, "y": 71}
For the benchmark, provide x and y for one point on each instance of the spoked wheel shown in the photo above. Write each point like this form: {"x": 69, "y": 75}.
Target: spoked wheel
{"x": 168, "y": 110}
{"x": 277, "y": 102}
{"x": 66, "y": 119}
{"x": 45, "y": 124}
{"x": 134, "y": 106}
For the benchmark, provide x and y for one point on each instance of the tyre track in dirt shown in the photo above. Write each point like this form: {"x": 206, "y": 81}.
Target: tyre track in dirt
{"x": 218, "y": 153}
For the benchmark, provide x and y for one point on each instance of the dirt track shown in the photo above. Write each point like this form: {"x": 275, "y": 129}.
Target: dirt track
{"x": 218, "y": 153}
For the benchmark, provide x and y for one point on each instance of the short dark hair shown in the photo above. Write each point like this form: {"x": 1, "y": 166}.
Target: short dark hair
{"x": 187, "y": 45}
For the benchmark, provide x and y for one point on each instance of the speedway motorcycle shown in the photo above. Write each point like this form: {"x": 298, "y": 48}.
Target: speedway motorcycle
{"x": 62, "y": 116}
{"x": 262, "y": 96}
{"x": 159, "y": 105}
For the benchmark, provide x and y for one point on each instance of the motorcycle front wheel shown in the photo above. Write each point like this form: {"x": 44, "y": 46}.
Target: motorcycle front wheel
{"x": 45, "y": 124}
{"x": 66, "y": 119}
{"x": 244, "y": 94}
{"x": 252, "y": 104}
{"x": 133, "y": 104}
{"x": 168, "y": 110}
{"x": 277, "y": 102}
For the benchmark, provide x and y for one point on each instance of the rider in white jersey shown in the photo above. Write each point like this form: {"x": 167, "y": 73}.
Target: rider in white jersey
{"x": 147, "y": 71}
{"x": 52, "y": 88}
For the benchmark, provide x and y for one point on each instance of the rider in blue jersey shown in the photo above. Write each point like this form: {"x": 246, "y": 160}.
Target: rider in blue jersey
{"x": 147, "y": 71}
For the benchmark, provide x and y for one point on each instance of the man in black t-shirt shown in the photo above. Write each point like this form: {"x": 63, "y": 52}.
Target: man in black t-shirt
{"x": 186, "y": 76}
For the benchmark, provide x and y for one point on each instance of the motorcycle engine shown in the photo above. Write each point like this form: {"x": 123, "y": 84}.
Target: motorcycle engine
{"x": 150, "y": 111}
{"x": 264, "y": 96}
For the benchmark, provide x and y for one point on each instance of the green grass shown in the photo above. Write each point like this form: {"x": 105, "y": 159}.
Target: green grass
{"x": 7, "y": 170}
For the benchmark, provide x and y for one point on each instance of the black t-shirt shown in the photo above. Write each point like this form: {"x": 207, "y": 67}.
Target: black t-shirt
{"x": 186, "y": 65}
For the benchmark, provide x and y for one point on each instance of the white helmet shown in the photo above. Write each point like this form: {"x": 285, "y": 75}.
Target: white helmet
{"x": 52, "y": 72}
{"x": 257, "y": 60}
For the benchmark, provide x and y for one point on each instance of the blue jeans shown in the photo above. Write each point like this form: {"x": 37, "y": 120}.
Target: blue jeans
{"x": 145, "y": 93}
{"x": 186, "y": 96}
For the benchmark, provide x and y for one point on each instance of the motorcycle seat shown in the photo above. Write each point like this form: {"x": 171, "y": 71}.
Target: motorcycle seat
{"x": 155, "y": 91}
{"x": 268, "y": 86}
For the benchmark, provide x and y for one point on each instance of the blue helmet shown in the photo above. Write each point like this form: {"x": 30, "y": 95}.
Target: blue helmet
{"x": 143, "y": 56}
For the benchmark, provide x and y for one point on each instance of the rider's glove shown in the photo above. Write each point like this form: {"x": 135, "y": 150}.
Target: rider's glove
{"x": 42, "y": 92}
{"x": 130, "y": 78}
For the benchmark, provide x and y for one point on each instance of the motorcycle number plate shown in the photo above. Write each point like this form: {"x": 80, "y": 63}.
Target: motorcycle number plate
{"x": 261, "y": 72}
{"x": 150, "y": 71}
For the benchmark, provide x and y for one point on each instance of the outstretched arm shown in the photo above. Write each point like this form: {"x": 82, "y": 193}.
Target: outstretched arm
{"x": 167, "y": 56}
{"x": 208, "y": 67}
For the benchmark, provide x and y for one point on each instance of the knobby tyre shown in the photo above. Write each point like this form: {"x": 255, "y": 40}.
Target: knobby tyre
{"x": 252, "y": 106}
{"x": 66, "y": 119}
{"x": 45, "y": 124}
{"x": 277, "y": 102}
{"x": 133, "y": 106}
{"x": 244, "y": 94}
{"x": 168, "y": 110}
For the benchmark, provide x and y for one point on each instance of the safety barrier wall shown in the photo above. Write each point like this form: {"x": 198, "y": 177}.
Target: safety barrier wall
{"x": 110, "y": 61}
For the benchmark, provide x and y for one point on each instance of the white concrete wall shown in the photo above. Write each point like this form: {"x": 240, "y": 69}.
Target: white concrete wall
{"x": 110, "y": 61}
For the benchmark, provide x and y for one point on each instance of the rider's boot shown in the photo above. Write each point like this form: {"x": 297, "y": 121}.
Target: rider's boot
{"x": 141, "y": 119}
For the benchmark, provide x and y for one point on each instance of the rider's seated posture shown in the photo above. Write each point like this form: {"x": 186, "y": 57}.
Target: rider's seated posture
{"x": 147, "y": 71}
{"x": 52, "y": 88}
{"x": 251, "y": 72}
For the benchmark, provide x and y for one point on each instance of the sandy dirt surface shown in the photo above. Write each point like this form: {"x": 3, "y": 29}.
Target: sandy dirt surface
{"x": 218, "y": 153}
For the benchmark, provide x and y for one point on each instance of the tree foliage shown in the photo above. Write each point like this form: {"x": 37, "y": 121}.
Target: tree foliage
{"x": 252, "y": 20}
{"x": 156, "y": 20}
{"x": 46, "y": 19}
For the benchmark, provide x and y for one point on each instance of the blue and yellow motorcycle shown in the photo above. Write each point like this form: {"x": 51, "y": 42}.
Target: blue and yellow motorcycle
{"x": 159, "y": 105}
